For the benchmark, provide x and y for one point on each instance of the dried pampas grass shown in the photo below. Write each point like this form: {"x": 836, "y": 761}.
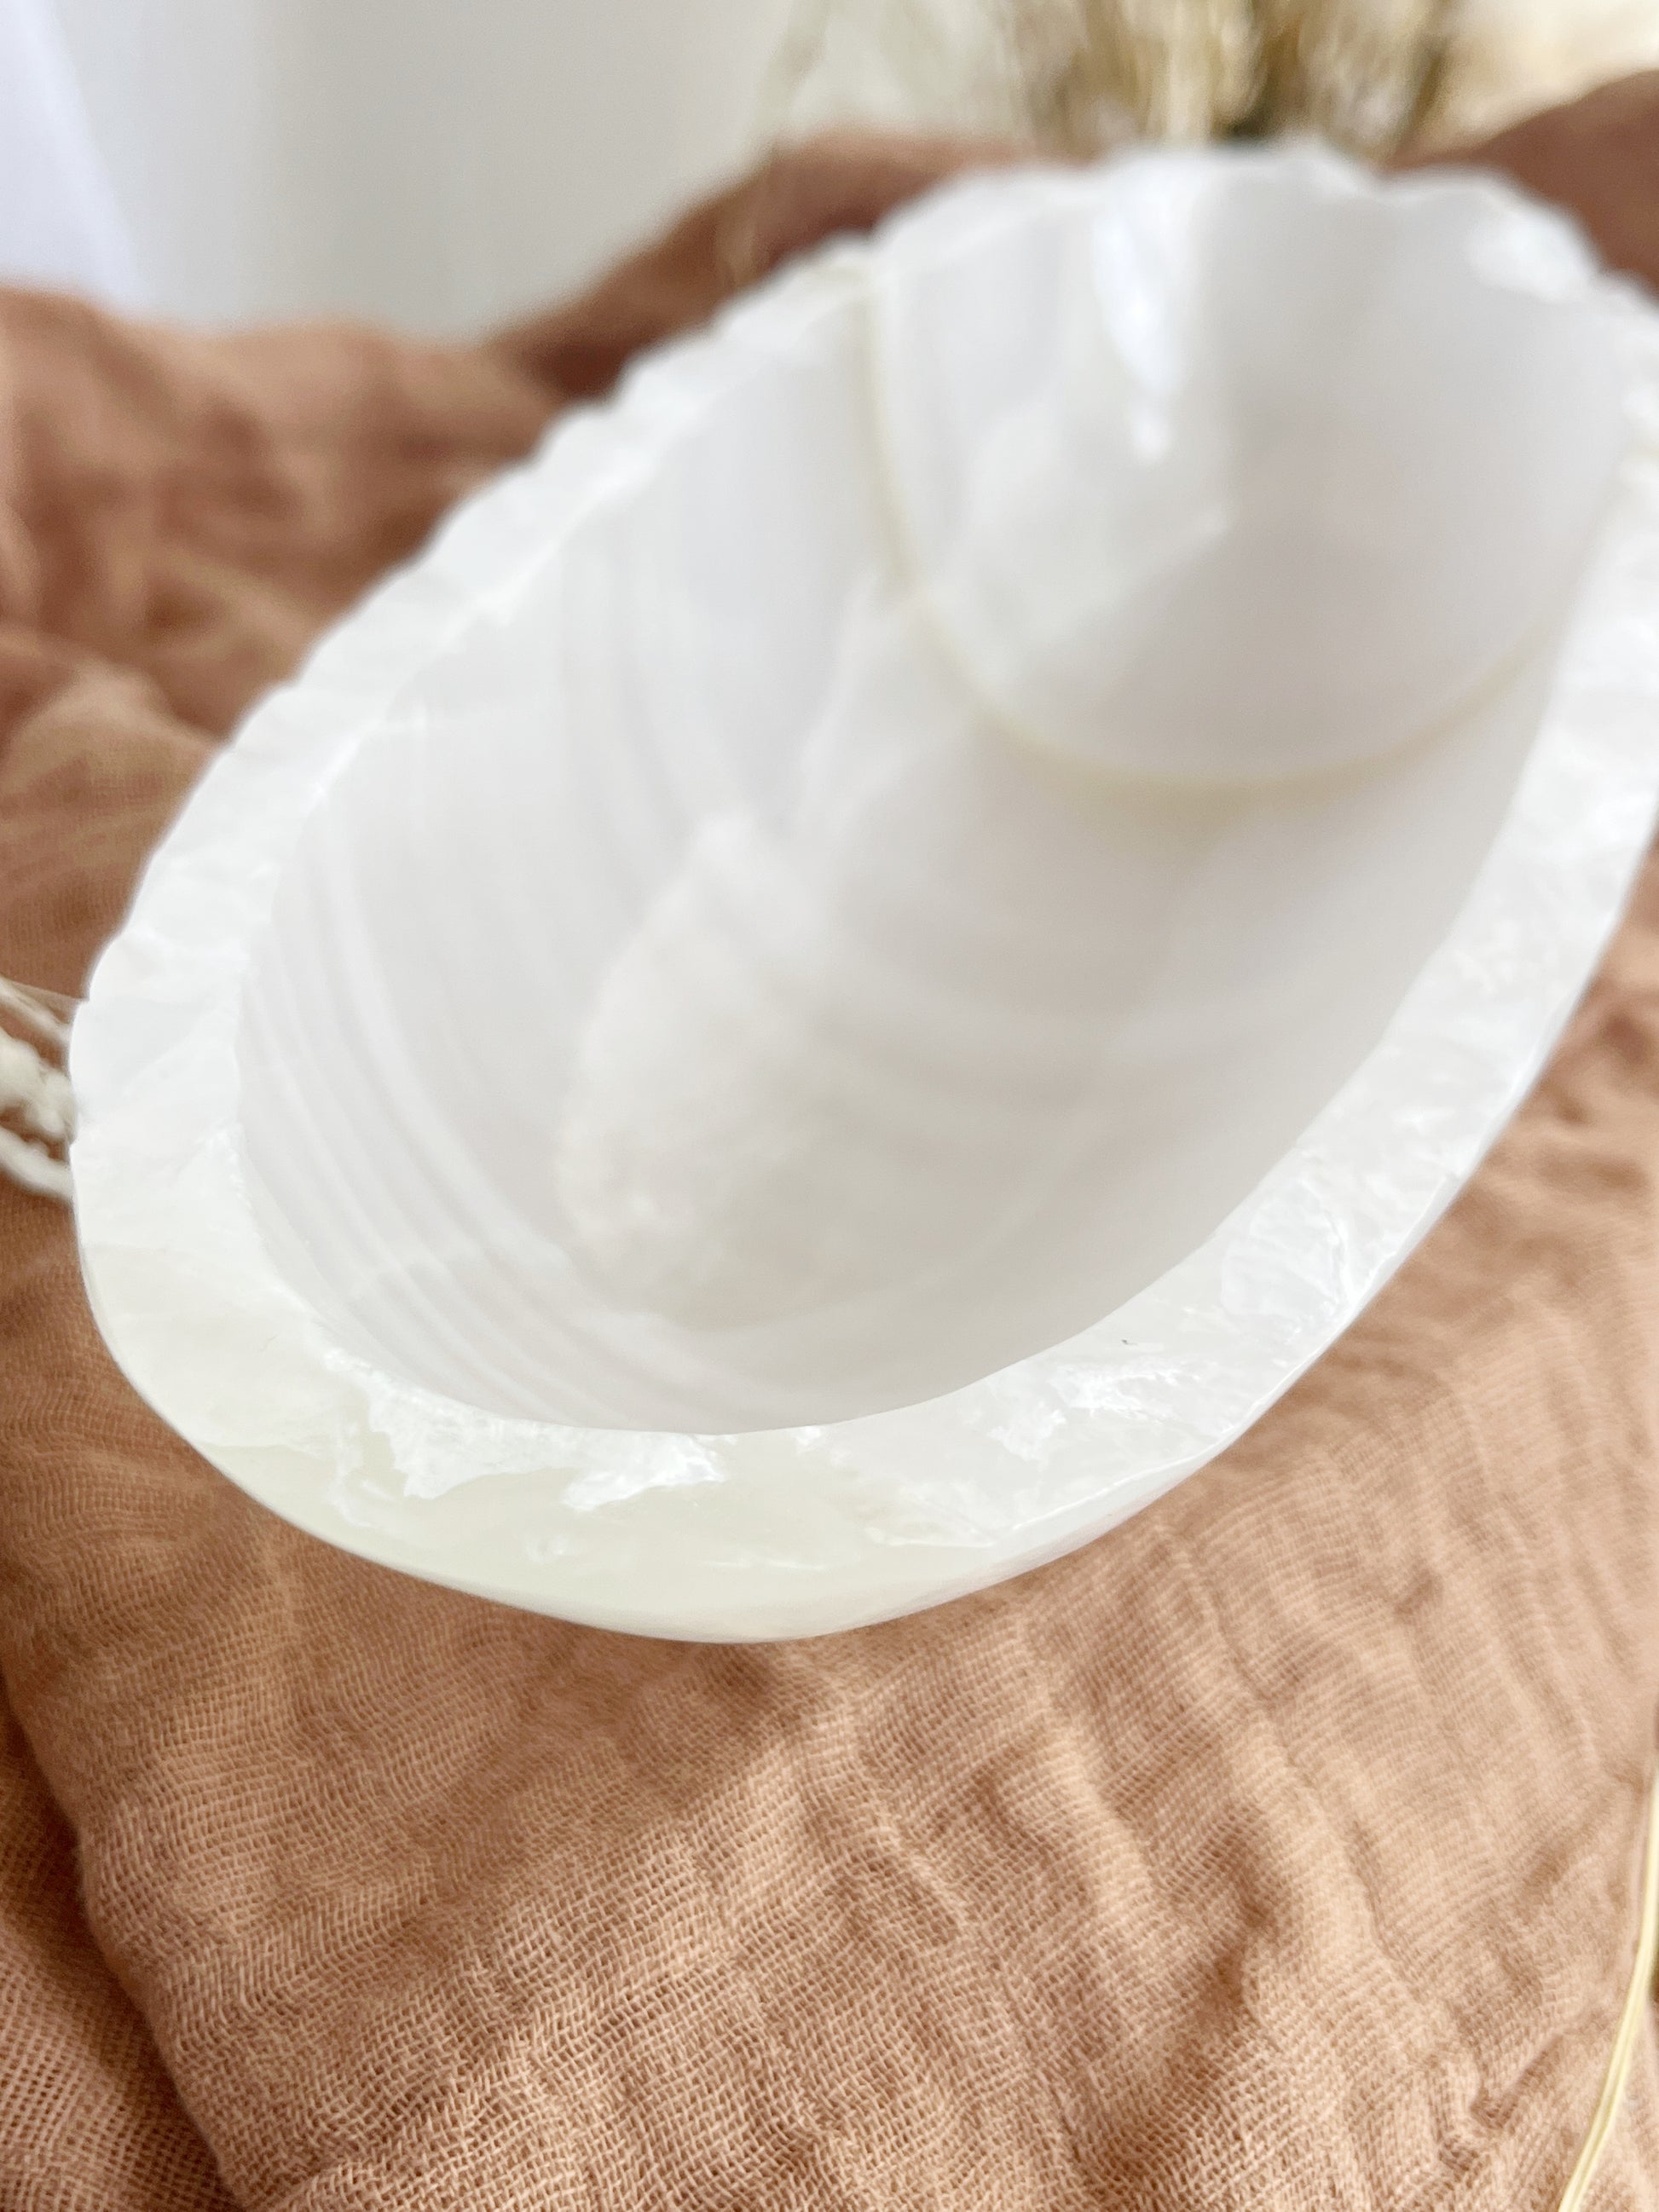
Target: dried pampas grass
{"x": 1375, "y": 76}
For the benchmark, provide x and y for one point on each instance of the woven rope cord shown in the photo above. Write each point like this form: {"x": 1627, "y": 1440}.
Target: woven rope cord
{"x": 35, "y": 1098}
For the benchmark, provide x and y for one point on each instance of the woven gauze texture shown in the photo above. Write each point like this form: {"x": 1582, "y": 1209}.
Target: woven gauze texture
{"x": 1278, "y": 1850}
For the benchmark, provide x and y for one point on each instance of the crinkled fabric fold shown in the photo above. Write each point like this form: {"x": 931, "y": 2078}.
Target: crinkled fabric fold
{"x": 1277, "y": 1851}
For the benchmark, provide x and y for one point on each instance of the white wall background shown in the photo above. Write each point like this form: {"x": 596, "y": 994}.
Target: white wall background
{"x": 437, "y": 163}
{"x": 59, "y": 219}
{"x": 444, "y": 163}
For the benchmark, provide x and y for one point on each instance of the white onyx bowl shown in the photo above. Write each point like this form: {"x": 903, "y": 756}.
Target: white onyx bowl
{"x": 867, "y": 957}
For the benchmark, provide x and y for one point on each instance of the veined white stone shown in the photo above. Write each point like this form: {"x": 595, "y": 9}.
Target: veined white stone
{"x": 867, "y": 957}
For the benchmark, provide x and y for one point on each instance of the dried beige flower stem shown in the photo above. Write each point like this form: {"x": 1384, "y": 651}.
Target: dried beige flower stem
{"x": 1632, "y": 2017}
{"x": 1073, "y": 75}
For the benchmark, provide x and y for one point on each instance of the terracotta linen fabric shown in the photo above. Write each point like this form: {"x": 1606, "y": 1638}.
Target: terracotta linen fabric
{"x": 1276, "y": 1850}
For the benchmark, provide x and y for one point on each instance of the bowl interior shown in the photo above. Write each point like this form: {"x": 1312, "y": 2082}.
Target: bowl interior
{"x": 698, "y": 1004}
{"x": 1242, "y": 469}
